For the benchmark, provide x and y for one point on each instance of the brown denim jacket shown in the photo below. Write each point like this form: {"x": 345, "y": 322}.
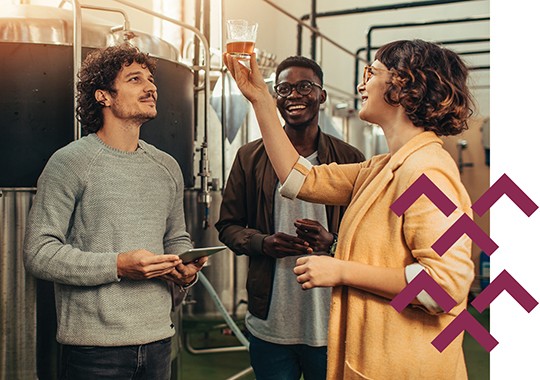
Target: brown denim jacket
{"x": 247, "y": 211}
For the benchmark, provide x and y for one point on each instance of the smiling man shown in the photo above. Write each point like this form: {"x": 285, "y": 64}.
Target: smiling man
{"x": 107, "y": 225}
{"x": 287, "y": 325}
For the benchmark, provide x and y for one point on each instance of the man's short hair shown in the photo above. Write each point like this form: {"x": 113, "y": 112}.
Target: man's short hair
{"x": 299, "y": 61}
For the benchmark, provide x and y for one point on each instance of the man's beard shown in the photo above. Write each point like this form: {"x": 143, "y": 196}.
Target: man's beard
{"x": 135, "y": 117}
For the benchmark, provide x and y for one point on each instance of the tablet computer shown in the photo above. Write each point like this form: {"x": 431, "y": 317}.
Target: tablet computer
{"x": 196, "y": 253}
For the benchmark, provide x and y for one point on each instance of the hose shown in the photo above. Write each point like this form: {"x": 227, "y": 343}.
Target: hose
{"x": 230, "y": 322}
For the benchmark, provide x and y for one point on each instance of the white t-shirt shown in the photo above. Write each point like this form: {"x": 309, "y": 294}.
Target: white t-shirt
{"x": 295, "y": 316}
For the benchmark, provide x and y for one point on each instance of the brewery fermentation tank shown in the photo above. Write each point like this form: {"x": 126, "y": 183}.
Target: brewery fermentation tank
{"x": 36, "y": 116}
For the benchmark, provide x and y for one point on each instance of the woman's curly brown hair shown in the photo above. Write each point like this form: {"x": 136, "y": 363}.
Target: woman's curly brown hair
{"x": 430, "y": 82}
{"x": 98, "y": 72}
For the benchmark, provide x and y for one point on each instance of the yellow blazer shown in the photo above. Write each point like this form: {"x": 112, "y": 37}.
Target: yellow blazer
{"x": 368, "y": 338}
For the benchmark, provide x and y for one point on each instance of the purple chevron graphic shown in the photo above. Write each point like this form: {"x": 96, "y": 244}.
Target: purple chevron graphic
{"x": 464, "y": 225}
{"x": 423, "y": 185}
{"x": 423, "y": 281}
{"x": 504, "y": 185}
{"x": 465, "y": 322}
{"x": 504, "y": 281}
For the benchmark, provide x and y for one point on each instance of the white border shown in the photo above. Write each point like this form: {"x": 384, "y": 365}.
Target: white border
{"x": 515, "y": 133}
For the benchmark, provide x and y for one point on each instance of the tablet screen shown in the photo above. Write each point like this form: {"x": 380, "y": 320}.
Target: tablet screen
{"x": 196, "y": 253}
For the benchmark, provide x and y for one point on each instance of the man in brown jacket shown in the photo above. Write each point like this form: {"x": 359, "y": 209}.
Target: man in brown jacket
{"x": 287, "y": 326}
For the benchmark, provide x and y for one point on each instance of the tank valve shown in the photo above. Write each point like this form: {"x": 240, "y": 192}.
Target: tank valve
{"x": 204, "y": 172}
{"x": 204, "y": 197}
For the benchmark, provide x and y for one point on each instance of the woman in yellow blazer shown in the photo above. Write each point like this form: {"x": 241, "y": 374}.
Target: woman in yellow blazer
{"x": 416, "y": 91}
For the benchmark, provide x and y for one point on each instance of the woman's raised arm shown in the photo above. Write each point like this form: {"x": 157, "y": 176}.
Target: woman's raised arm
{"x": 280, "y": 150}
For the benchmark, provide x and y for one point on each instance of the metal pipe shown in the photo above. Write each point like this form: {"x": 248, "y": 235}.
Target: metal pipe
{"x": 474, "y": 52}
{"x": 17, "y": 189}
{"x": 379, "y": 8}
{"x": 477, "y": 68}
{"x": 196, "y": 61}
{"x": 445, "y": 42}
{"x": 213, "y": 350}
{"x": 348, "y": 94}
{"x": 77, "y": 59}
{"x": 369, "y": 48}
{"x": 241, "y": 374}
{"x": 314, "y": 30}
{"x": 413, "y": 24}
{"x": 299, "y": 31}
{"x": 223, "y": 129}
{"x": 205, "y": 196}
{"x": 314, "y": 26}
{"x": 126, "y": 25}
{"x": 223, "y": 110}
{"x": 464, "y": 41}
{"x": 206, "y": 18}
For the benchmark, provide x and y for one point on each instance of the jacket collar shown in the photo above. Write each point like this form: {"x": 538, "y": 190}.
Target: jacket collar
{"x": 323, "y": 148}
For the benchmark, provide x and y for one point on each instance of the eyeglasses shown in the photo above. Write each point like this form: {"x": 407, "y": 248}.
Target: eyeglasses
{"x": 304, "y": 87}
{"x": 368, "y": 73}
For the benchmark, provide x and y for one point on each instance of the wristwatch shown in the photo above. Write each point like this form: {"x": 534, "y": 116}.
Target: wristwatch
{"x": 332, "y": 249}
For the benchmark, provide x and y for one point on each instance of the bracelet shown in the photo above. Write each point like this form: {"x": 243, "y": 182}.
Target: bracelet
{"x": 332, "y": 249}
{"x": 190, "y": 284}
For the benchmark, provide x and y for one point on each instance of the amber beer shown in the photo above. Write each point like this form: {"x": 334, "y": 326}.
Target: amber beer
{"x": 240, "y": 49}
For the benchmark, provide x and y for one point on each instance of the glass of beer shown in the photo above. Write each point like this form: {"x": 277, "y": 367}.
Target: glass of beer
{"x": 241, "y": 36}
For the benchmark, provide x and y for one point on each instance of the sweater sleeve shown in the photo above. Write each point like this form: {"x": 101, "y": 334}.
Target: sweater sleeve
{"x": 47, "y": 253}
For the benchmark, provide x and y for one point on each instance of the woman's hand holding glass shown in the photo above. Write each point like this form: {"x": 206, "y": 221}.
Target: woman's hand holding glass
{"x": 248, "y": 79}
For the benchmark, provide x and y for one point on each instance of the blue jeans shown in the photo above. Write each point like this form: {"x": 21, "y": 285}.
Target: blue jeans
{"x": 272, "y": 361}
{"x": 150, "y": 361}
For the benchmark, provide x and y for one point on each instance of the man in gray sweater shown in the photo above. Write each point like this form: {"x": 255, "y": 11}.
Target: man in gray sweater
{"x": 107, "y": 225}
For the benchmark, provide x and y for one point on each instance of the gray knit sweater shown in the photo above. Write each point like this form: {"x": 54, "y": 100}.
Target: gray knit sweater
{"x": 93, "y": 202}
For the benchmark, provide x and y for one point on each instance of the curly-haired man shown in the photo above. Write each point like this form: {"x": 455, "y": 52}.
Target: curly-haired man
{"x": 110, "y": 249}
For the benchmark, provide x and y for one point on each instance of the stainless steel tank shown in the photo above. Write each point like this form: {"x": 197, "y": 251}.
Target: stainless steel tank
{"x": 36, "y": 114}
{"x": 36, "y": 119}
{"x": 17, "y": 291}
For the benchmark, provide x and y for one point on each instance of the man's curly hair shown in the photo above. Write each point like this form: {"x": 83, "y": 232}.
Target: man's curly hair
{"x": 430, "y": 82}
{"x": 98, "y": 72}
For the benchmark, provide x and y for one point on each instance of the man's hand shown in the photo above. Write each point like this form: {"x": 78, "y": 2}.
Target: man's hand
{"x": 141, "y": 264}
{"x": 281, "y": 245}
{"x": 184, "y": 273}
{"x": 319, "y": 239}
